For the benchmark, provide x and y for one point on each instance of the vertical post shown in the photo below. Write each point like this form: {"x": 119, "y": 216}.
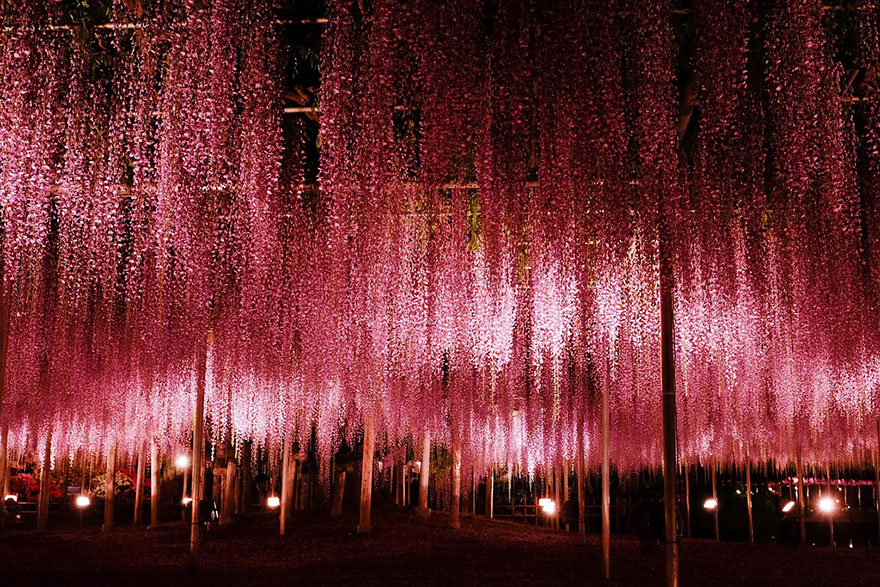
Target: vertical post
{"x": 424, "y": 476}
{"x": 155, "y": 483}
{"x": 198, "y": 452}
{"x": 687, "y": 502}
{"x": 139, "y": 490}
{"x": 4, "y": 470}
{"x": 831, "y": 513}
{"x": 749, "y": 498}
{"x": 229, "y": 488}
{"x": 715, "y": 497}
{"x": 606, "y": 475}
{"x": 877, "y": 481}
{"x": 801, "y": 505}
{"x": 455, "y": 506}
{"x": 338, "y": 494}
{"x": 490, "y": 493}
{"x": 183, "y": 492}
{"x": 565, "y": 491}
{"x": 580, "y": 482}
{"x": 366, "y": 476}
{"x": 110, "y": 490}
{"x": 45, "y": 474}
{"x": 667, "y": 374}
{"x": 286, "y": 487}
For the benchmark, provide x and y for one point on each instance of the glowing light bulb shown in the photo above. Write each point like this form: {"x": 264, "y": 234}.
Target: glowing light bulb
{"x": 710, "y": 504}
{"x": 273, "y": 502}
{"x": 827, "y": 505}
{"x": 182, "y": 462}
{"x": 544, "y": 501}
{"x": 83, "y": 501}
{"x": 788, "y": 507}
{"x": 186, "y": 500}
{"x": 549, "y": 507}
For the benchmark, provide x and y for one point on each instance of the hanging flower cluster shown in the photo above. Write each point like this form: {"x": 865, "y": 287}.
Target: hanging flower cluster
{"x": 500, "y": 184}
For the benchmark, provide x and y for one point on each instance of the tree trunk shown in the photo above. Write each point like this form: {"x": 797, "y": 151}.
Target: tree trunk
{"x": 456, "y": 481}
{"x": 110, "y": 491}
{"x": 424, "y": 475}
{"x": 139, "y": 490}
{"x": 45, "y": 475}
{"x": 155, "y": 484}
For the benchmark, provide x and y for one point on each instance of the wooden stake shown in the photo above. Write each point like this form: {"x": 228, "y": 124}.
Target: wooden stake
{"x": 110, "y": 491}
{"x": 139, "y": 490}
{"x": 367, "y": 476}
{"x": 424, "y": 476}
{"x": 45, "y": 474}
{"x": 198, "y": 458}
{"x": 455, "y": 506}
{"x": 606, "y": 477}
{"x": 155, "y": 484}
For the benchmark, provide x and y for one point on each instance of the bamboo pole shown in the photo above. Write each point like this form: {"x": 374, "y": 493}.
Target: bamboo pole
{"x": 424, "y": 476}
{"x": 155, "y": 484}
{"x": 606, "y": 476}
{"x": 286, "y": 486}
{"x": 801, "y": 505}
{"x": 45, "y": 474}
{"x": 139, "y": 490}
{"x": 110, "y": 491}
{"x": 455, "y": 506}
{"x": 366, "y": 476}
{"x": 198, "y": 453}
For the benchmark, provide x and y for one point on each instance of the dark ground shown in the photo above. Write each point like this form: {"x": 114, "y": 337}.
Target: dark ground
{"x": 401, "y": 550}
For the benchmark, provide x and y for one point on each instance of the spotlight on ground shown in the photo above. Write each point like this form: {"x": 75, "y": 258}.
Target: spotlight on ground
{"x": 827, "y": 505}
{"x": 273, "y": 502}
{"x": 83, "y": 501}
{"x": 710, "y": 504}
{"x": 788, "y": 507}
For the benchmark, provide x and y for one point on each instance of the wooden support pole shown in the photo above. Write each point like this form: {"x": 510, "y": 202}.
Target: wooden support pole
{"x": 557, "y": 486}
{"x": 110, "y": 491}
{"x": 687, "y": 503}
{"x": 801, "y": 502}
{"x": 715, "y": 497}
{"x": 4, "y": 471}
{"x": 183, "y": 493}
{"x": 455, "y": 506}
{"x": 565, "y": 489}
{"x": 490, "y": 493}
{"x": 139, "y": 490}
{"x": 667, "y": 375}
{"x": 606, "y": 476}
{"x": 338, "y": 494}
{"x": 228, "y": 510}
{"x": 749, "y": 499}
{"x": 155, "y": 484}
{"x": 582, "y": 530}
{"x": 877, "y": 481}
{"x": 367, "y": 476}
{"x": 286, "y": 486}
{"x": 424, "y": 476}
{"x": 45, "y": 475}
{"x": 198, "y": 453}
{"x": 830, "y": 514}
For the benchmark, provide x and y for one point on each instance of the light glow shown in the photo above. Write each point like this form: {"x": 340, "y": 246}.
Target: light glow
{"x": 710, "y": 504}
{"x": 181, "y": 462}
{"x": 83, "y": 501}
{"x": 273, "y": 502}
{"x": 788, "y": 507}
{"x": 11, "y": 496}
{"x": 827, "y": 505}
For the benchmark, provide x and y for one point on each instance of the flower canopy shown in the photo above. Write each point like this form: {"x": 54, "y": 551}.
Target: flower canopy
{"x": 481, "y": 249}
